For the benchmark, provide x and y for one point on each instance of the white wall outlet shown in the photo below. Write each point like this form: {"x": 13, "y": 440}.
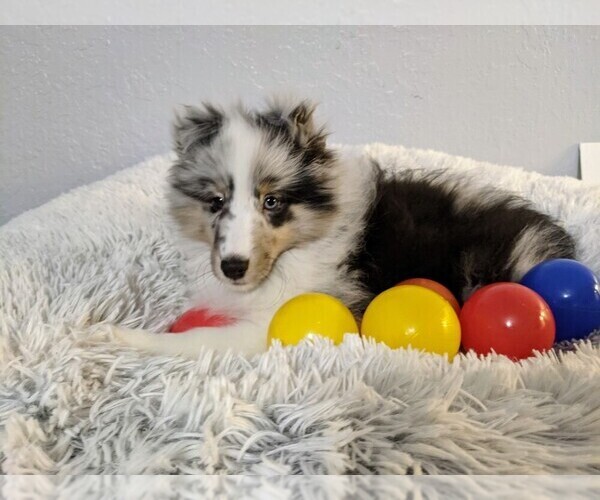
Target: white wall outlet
{"x": 589, "y": 161}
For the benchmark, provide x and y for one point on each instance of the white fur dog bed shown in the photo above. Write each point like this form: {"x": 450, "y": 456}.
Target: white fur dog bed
{"x": 71, "y": 402}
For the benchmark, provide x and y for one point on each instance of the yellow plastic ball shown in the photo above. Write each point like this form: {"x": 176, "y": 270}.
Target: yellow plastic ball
{"x": 311, "y": 313}
{"x": 410, "y": 315}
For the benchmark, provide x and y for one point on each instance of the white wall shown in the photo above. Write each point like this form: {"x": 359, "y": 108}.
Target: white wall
{"x": 78, "y": 103}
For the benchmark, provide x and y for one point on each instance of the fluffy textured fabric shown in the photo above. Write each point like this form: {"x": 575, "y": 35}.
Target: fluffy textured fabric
{"x": 254, "y": 487}
{"x": 71, "y": 402}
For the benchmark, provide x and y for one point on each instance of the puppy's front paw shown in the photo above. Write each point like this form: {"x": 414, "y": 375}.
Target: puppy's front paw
{"x": 149, "y": 342}
{"x": 127, "y": 337}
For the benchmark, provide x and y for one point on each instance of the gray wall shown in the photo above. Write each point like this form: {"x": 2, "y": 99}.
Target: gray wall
{"x": 78, "y": 103}
{"x": 541, "y": 12}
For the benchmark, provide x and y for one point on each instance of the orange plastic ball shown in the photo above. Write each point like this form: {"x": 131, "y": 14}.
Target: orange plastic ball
{"x": 435, "y": 287}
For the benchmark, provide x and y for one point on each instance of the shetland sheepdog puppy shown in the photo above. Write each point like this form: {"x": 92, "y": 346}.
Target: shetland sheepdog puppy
{"x": 267, "y": 210}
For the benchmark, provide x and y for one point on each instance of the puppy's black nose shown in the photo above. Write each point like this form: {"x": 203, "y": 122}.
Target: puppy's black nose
{"x": 234, "y": 267}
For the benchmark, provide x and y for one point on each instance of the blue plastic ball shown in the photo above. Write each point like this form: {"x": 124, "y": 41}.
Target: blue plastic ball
{"x": 572, "y": 291}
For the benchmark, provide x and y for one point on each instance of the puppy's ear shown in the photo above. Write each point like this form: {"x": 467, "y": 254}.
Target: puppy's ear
{"x": 303, "y": 124}
{"x": 195, "y": 127}
{"x": 296, "y": 119}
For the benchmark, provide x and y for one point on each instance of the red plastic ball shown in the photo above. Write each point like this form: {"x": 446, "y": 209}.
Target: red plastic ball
{"x": 195, "y": 318}
{"x": 508, "y": 318}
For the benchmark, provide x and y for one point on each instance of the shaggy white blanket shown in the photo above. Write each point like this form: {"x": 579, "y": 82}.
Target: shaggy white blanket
{"x": 71, "y": 402}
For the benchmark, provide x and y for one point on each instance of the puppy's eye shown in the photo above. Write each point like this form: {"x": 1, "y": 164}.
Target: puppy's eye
{"x": 216, "y": 204}
{"x": 271, "y": 202}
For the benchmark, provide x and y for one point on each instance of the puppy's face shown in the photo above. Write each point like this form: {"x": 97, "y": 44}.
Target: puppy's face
{"x": 251, "y": 185}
